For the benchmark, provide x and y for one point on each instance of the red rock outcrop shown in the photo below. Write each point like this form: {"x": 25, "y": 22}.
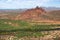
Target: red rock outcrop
{"x": 31, "y": 14}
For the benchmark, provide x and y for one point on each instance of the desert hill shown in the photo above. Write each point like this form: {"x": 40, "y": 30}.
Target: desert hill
{"x": 54, "y": 15}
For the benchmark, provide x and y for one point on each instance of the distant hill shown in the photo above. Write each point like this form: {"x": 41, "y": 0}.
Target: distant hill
{"x": 54, "y": 15}
{"x": 11, "y": 11}
{"x": 51, "y": 8}
{"x": 8, "y": 13}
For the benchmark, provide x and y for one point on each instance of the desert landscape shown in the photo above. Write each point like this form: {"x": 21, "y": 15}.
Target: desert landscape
{"x": 37, "y": 23}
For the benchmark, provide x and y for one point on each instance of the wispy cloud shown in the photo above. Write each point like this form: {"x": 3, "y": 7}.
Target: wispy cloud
{"x": 25, "y": 3}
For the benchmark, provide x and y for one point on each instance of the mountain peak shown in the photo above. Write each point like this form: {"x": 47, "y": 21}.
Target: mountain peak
{"x": 31, "y": 13}
{"x": 37, "y": 7}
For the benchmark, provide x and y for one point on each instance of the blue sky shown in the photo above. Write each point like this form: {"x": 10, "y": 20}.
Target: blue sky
{"x": 17, "y": 4}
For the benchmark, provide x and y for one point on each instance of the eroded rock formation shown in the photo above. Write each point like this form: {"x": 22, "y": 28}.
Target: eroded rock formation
{"x": 31, "y": 14}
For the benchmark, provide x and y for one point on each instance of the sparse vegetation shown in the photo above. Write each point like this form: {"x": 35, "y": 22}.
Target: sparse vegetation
{"x": 24, "y": 28}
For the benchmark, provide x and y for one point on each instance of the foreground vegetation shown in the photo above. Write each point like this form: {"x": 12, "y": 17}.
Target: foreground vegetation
{"x": 22, "y": 28}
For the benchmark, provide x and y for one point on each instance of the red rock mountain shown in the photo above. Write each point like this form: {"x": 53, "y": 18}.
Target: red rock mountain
{"x": 31, "y": 14}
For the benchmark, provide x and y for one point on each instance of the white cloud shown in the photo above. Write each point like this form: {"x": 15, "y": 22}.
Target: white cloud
{"x": 9, "y": 0}
{"x": 23, "y": 3}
